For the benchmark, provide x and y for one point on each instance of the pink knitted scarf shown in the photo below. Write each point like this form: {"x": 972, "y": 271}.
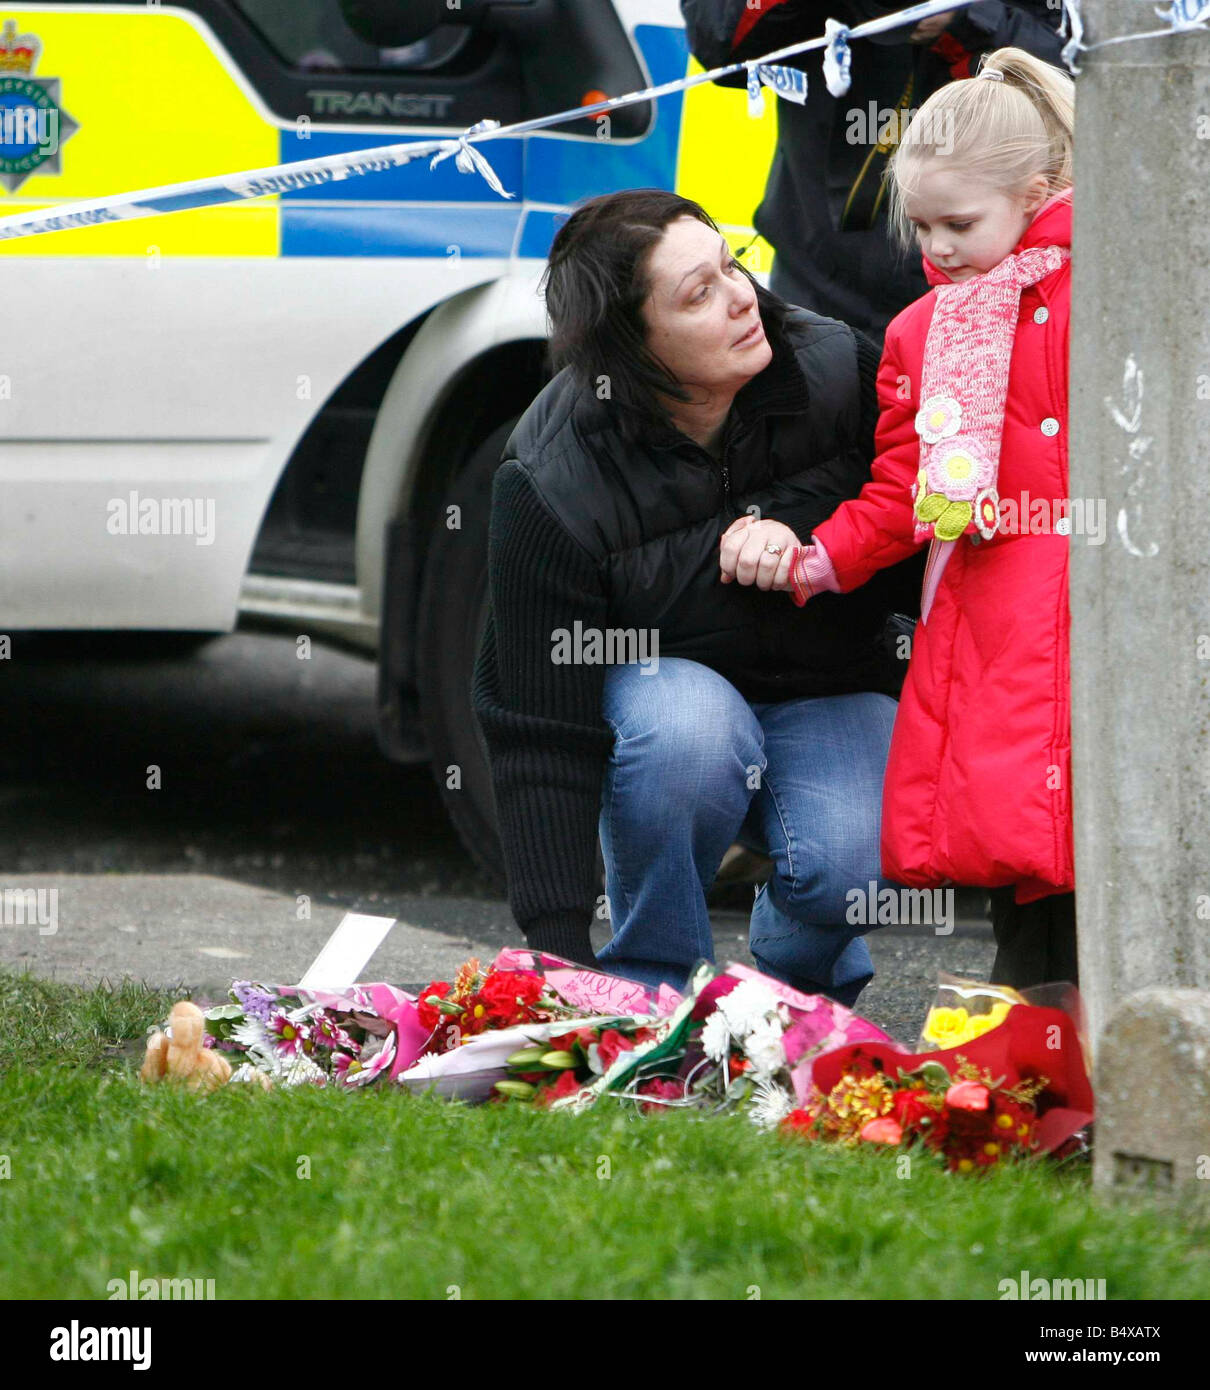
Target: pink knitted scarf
{"x": 967, "y": 357}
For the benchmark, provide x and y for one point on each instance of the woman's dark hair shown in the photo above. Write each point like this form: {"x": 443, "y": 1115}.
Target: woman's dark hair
{"x": 595, "y": 283}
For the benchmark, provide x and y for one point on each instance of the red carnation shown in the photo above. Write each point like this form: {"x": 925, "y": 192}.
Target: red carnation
{"x": 565, "y": 1085}
{"x": 564, "y": 1042}
{"x": 429, "y": 1014}
{"x": 664, "y": 1089}
{"x": 911, "y": 1107}
{"x": 508, "y": 996}
{"x": 611, "y": 1044}
{"x": 799, "y": 1122}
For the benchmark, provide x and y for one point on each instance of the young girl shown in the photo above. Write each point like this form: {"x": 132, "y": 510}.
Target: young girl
{"x": 972, "y": 457}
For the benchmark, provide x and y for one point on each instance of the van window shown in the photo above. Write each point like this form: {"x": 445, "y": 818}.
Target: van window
{"x": 312, "y": 35}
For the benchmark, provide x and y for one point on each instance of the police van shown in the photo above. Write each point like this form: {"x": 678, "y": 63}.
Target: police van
{"x": 288, "y": 410}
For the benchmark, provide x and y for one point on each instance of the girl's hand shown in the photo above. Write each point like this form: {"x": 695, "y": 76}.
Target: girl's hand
{"x": 744, "y": 554}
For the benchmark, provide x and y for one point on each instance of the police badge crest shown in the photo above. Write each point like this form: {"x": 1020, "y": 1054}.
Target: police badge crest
{"x": 33, "y": 124}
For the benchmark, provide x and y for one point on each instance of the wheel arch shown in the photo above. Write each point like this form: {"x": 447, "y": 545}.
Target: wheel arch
{"x": 474, "y": 360}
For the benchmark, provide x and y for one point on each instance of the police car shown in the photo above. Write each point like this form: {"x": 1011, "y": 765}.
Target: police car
{"x": 288, "y": 410}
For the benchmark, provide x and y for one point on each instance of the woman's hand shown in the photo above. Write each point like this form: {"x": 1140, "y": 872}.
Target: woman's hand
{"x": 744, "y": 553}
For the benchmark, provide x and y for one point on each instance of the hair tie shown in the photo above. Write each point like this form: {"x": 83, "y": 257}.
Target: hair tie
{"x": 990, "y": 72}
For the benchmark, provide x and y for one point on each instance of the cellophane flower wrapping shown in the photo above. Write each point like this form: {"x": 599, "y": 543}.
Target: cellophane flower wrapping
{"x": 963, "y": 1010}
{"x": 532, "y": 1028}
{"x": 1017, "y": 1088}
{"x": 535, "y": 1027}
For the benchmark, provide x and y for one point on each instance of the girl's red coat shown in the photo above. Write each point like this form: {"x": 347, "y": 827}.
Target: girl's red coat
{"x": 978, "y": 781}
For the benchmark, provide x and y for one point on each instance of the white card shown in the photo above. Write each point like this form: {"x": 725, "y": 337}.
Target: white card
{"x": 347, "y": 952}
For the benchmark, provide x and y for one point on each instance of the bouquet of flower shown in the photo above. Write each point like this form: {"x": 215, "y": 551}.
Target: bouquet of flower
{"x": 351, "y": 1038}
{"x": 1019, "y": 1088}
{"x": 478, "y": 1001}
{"x": 567, "y": 1063}
{"x": 296, "y": 1036}
{"x": 738, "y": 1040}
{"x": 973, "y": 1121}
{"x": 535, "y": 1029}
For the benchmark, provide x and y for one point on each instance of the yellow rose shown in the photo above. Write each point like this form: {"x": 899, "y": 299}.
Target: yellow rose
{"x": 984, "y": 1023}
{"x": 946, "y": 1027}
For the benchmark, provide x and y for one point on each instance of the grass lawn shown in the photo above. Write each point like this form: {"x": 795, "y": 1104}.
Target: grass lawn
{"x": 410, "y": 1196}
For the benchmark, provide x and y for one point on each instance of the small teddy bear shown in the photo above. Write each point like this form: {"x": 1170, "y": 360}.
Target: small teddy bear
{"x": 177, "y": 1052}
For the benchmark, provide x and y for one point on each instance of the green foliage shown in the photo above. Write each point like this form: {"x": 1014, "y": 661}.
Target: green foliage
{"x": 44, "y": 1023}
{"x": 413, "y": 1197}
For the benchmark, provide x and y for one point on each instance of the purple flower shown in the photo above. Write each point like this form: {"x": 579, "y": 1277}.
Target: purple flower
{"x": 255, "y": 1001}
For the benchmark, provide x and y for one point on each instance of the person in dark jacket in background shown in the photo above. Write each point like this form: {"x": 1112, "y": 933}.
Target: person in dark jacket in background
{"x": 824, "y": 210}
{"x": 621, "y": 687}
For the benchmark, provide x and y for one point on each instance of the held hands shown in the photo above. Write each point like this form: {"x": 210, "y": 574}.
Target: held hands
{"x": 744, "y": 555}
{"x": 757, "y": 552}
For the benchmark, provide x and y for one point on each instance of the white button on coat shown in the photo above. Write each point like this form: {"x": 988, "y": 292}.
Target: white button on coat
{"x": 1042, "y": 314}
{"x": 1050, "y": 425}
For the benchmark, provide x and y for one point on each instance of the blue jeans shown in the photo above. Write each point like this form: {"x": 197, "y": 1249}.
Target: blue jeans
{"x": 696, "y": 767}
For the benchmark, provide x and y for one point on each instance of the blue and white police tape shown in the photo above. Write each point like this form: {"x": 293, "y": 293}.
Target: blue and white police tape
{"x": 1183, "y": 17}
{"x": 767, "y": 71}
{"x": 287, "y": 178}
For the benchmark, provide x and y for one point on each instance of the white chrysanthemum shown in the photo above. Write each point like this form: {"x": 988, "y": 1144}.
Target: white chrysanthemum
{"x": 716, "y": 1037}
{"x": 770, "y": 1104}
{"x": 763, "y": 1048}
{"x": 747, "y": 1006}
{"x": 297, "y": 1071}
{"x": 250, "y": 1033}
{"x": 247, "y": 1073}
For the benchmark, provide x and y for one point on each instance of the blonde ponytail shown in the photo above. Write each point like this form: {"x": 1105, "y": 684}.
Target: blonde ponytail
{"x": 1001, "y": 131}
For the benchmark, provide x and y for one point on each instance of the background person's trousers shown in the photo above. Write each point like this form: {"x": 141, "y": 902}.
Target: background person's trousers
{"x": 1035, "y": 942}
{"x": 695, "y": 767}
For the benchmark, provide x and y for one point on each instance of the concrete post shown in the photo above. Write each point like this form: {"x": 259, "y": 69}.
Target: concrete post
{"x": 1140, "y": 440}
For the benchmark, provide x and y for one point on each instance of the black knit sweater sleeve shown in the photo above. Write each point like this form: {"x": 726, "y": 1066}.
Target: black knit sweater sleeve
{"x": 546, "y": 739}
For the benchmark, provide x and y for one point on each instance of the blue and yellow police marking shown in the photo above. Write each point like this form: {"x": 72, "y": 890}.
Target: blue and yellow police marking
{"x": 724, "y": 162}
{"x": 153, "y": 104}
{"x": 147, "y": 101}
